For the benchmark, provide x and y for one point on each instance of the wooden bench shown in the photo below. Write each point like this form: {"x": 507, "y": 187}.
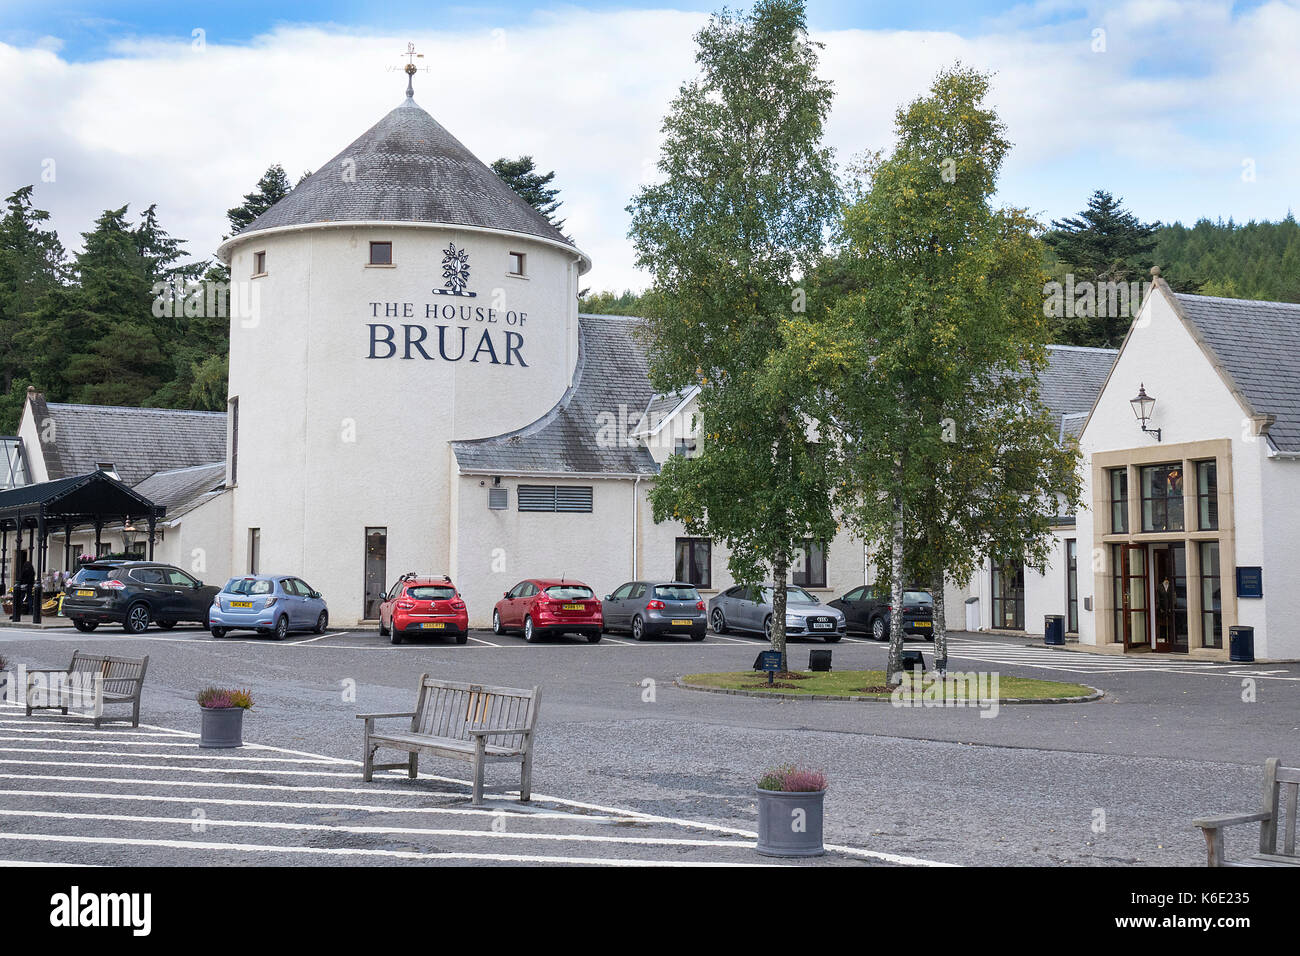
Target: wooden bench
{"x": 1278, "y": 781}
{"x": 469, "y": 722}
{"x": 122, "y": 683}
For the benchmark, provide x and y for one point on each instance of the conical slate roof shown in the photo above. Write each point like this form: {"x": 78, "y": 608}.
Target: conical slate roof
{"x": 406, "y": 168}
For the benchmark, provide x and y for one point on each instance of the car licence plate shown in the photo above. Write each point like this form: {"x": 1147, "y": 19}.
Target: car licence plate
{"x": 681, "y": 623}
{"x": 920, "y": 623}
{"x": 84, "y": 593}
{"x": 822, "y": 625}
{"x": 245, "y": 604}
{"x": 433, "y": 626}
{"x": 575, "y": 607}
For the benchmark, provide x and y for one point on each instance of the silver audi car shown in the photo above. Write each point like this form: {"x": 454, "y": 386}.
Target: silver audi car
{"x": 746, "y": 607}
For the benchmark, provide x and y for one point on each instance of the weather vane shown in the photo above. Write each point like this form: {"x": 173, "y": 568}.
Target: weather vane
{"x": 410, "y": 68}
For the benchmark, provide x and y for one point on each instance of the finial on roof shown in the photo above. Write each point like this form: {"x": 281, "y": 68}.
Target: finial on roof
{"x": 1155, "y": 272}
{"x": 411, "y": 56}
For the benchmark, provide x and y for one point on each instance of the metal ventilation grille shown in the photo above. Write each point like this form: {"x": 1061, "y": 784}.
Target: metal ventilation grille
{"x": 498, "y": 499}
{"x": 553, "y": 498}
{"x": 573, "y": 499}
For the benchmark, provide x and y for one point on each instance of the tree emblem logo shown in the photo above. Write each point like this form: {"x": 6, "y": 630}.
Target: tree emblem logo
{"x": 455, "y": 271}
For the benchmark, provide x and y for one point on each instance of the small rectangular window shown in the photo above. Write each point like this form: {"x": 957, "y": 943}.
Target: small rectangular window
{"x": 254, "y": 550}
{"x": 234, "y": 439}
{"x": 381, "y": 253}
{"x": 259, "y": 263}
{"x": 695, "y": 561}
{"x": 573, "y": 499}
{"x": 518, "y": 263}
{"x": 1207, "y": 495}
{"x": 809, "y": 568}
{"x": 498, "y": 499}
{"x": 1119, "y": 501}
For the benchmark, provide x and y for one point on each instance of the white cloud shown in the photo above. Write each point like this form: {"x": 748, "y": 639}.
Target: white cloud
{"x": 585, "y": 92}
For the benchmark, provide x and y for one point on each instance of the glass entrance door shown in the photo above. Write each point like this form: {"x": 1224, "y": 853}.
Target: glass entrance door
{"x": 1133, "y": 595}
{"x": 376, "y": 571}
{"x": 1169, "y": 586}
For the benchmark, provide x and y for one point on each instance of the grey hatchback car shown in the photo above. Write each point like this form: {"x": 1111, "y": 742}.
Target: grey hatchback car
{"x": 653, "y": 608}
{"x": 746, "y": 607}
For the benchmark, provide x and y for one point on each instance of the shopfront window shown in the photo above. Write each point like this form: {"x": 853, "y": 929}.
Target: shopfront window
{"x": 1162, "y": 498}
{"x": 1207, "y": 495}
{"x": 1119, "y": 500}
{"x": 1211, "y": 595}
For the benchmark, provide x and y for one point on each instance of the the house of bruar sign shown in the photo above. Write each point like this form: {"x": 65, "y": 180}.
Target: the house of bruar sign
{"x": 452, "y": 328}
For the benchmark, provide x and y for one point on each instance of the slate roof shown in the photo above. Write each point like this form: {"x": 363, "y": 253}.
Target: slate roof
{"x": 182, "y": 490}
{"x": 1258, "y": 345}
{"x": 138, "y": 441}
{"x": 1071, "y": 383}
{"x": 407, "y": 168}
{"x": 610, "y": 377}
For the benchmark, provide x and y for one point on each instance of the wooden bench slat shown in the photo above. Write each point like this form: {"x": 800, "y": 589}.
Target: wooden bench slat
{"x": 1277, "y": 780}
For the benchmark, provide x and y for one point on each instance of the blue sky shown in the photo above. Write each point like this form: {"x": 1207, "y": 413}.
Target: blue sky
{"x": 1186, "y": 108}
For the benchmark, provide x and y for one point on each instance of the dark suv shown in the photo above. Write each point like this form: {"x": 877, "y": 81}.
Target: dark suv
{"x": 135, "y": 594}
{"x": 870, "y": 612}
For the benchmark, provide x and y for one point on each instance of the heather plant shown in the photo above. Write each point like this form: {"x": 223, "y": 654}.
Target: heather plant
{"x": 788, "y": 778}
{"x": 215, "y": 698}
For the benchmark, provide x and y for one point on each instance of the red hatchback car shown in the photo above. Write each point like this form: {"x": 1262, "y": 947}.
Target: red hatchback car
{"x": 422, "y": 605}
{"x": 546, "y": 606}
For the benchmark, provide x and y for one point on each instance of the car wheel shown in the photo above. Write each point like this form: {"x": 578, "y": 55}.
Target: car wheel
{"x": 462, "y": 638}
{"x": 593, "y": 637}
{"x": 697, "y": 635}
{"x": 166, "y": 625}
{"x": 767, "y": 627}
{"x": 719, "y": 621}
{"x": 638, "y": 628}
{"x": 137, "y": 619}
{"x": 878, "y": 632}
{"x": 322, "y": 622}
{"x": 281, "y": 628}
{"x": 497, "y": 627}
{"x": 219, "y": 632}
{"x": 85, "y": 626}
{"x": 530, "y": 635}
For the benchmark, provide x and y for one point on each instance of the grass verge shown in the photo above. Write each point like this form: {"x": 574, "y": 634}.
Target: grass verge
{"x": 872, "y": 684}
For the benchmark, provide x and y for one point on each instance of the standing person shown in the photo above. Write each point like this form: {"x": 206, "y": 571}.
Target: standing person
{"x": 27, "y": 585}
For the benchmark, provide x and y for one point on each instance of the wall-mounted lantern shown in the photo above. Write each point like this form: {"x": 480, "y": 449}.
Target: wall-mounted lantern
{"x": 1143, "y": 405}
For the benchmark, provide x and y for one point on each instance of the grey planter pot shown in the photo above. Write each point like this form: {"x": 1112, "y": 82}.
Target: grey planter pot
{"x": 790, "y": 824}
{"x": 221, "y": 727}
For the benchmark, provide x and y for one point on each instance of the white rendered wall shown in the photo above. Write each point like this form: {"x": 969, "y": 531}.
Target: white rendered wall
{"x": 332, "y": 442}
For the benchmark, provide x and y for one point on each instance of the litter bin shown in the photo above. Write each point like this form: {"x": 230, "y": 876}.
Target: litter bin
{"x": 1054, "y": 629}
{"x": 1241, "y": 644}
{"x": 972, "y": 614}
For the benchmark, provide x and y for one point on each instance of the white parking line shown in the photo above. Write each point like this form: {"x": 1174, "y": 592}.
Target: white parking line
{"x": 362, "y": 852}
{"x": 479, "y": 640}
{"x": 364, "y": 830}
{"x": 157, "y": 756}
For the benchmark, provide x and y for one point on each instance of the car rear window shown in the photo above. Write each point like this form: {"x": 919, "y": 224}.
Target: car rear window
{"x": 675, "y": 593}
{"x": 431, "y": 592}
{"x": 88, "y": 575}
{"x": 917, "y": 597}
{"x": 248, "y": 586}
{"x": 570, "y": 592}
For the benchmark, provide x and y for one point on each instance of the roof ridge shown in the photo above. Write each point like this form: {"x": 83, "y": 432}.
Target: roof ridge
{"x": 133, "y": 408}
{"x": 1254, "y": 303}
{"x": 1084, "y": 348}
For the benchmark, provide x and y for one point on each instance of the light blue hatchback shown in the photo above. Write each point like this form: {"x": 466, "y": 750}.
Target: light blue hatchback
{"x": 269, "y": 604}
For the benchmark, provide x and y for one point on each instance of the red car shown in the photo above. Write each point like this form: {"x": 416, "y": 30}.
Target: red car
{"x": 423, "y": 605}
{"x": 547, "y": 606}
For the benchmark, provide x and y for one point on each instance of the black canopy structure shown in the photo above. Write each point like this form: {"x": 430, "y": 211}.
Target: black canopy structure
{"x": 65, "y": 503}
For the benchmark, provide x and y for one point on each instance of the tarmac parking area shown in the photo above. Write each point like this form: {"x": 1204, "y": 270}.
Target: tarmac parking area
{"x": 623, "y": 753}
